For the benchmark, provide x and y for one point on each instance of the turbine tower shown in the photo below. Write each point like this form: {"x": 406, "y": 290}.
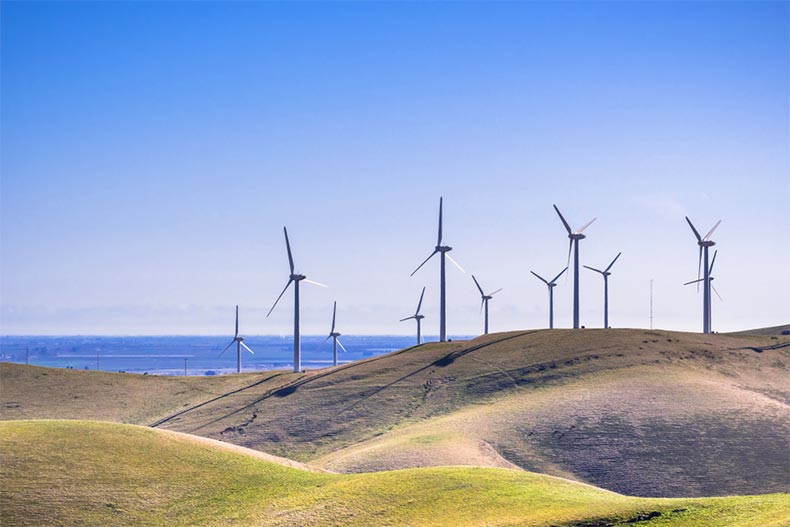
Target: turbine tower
{"x": 443, "y": 250}
{"x": 710, "y": 283}
{"x": 605, "y": 273}
{"x": 574, "y": 237}
{"x": 704, "y": 244}
{"x": 416, "y": 316}
{"x": 334, "y": 334}
{"x": 551, "y": 285}
{"x": 484, "y": 302}
{"x": 239, "y": 340}
{"x": 295, "y": 278}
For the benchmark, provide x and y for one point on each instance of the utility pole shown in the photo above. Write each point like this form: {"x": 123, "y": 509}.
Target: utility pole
{"x": 651, "y": 304}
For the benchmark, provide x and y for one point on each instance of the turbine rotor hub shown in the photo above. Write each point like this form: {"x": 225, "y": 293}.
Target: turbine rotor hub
{"x": 298, "y": 277}
{"x": 444, "y": 248}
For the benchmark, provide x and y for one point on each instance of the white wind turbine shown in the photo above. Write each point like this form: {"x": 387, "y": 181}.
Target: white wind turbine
{"x": 442, "y": 250}
{"x": 295, "y": 278}
{"x": 239, "y": 341}
{"x": 484, "y": 301}
{"x": 551, "y": 285}
{"x": 334, "y": 334}
{"x": 418, "y": 317}
{"x": 574, "y": 237}
{"x": 605, "y": 273}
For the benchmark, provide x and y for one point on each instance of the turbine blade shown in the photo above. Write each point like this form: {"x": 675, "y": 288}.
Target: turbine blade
{"x": 555, "y": 278}
{"x": 439, "y": 242}
{"x": 456, "y": 263}
{"x": 699, "y": 238}
{"x": 226, "y": 348}
{"x": 586, "y": 225}
{"x": 710, "y": 270}
{"x": 408, "y": 318}
{"x": 327, "y": 338}
{"x": 478, "y": 286}
{"x": 420, "y": 302}
{"x": 567, "y": 227}
{"x": 710, "y": 232}
{"x": 279, "y": 297}
{"x": 423, "y": 263}
{"x": 570, "y": 247}
{"x": 243, "y": 345}
{"x": 341, "y": 346}
{"x": 717, "y": 293}
{"x": 288, "y": 246}
{"x": 592, "y": 269}
{"x": 237, "y": 322}
{"x": 699, "y": 265}
{"x": 482, "y": 303}
{"x": 695, "y": 282}
{"x": 613, "y": 261}
{"x": 334, "y": 312}
{"x": 540, "y": 277}
{"x": 497, "y": 291}
{"x": 314, "y": 283}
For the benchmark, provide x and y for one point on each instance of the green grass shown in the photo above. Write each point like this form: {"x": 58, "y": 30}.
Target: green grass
{"x": 90, "y": 473}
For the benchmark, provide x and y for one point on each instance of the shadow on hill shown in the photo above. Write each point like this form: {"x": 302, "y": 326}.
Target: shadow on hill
{"x": 441, "y": 363}
{"x": 291, "y": 388}
{"x": 281, "y": 392}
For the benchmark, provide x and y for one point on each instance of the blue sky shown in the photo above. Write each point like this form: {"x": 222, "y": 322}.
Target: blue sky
{"x": 152, "y": 152}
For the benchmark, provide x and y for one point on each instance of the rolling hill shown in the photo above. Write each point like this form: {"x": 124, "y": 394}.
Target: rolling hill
{"x": 645, "y": 413}
{"x": 90, "y": 473}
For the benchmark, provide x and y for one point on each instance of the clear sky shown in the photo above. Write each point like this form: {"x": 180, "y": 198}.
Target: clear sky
{"x": 152, "y": 152}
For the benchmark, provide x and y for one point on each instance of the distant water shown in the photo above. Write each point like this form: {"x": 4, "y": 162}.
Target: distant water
{"x": 200, "y": 355}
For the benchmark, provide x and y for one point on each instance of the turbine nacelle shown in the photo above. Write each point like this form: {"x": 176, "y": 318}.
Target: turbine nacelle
{"x": 297, "y": 277}
{"x": 577, "y": 236}
{"x": 443, "y": 248}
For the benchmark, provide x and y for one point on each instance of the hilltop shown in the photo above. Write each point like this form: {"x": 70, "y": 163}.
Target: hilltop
{"x": 650, "y": 413}
{"x": 89, "y": 473}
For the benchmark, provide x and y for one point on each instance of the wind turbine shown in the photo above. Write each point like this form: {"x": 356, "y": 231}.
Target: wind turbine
{"x": 574, "y": 237}
{"x": 239, "y": 340}
{"x": 710, "y": 283}
{"x": 551, "y": 285}
{"x": 443, "y": 250}
{"x": 416, "y": 316}
{"x": 295, "y": 278}
{"x": 333, "y": 335}
{"x": 704, "y": 244}
{"x": 484, "y": 302}
{"x": 605, "y": 273}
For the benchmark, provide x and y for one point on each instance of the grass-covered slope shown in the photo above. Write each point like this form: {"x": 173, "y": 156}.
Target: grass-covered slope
{"x": 651, "y": 413}
{"x": 89, "y": 473}
{"x": 34, "y": 392}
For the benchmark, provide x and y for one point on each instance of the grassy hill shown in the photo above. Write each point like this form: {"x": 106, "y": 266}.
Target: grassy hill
{"x": 90, "y": 473}
{"x": 650, "y": 413}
